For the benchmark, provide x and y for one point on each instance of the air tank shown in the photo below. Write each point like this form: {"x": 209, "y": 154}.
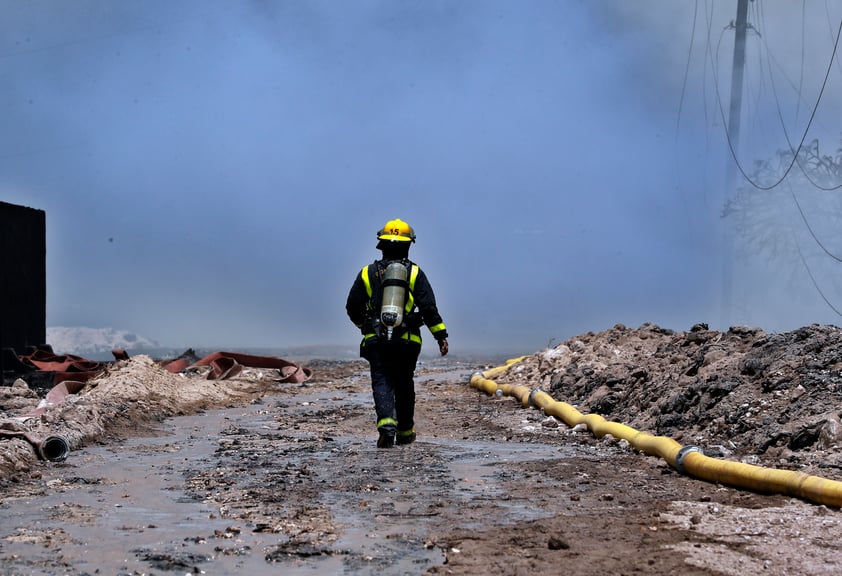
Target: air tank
{"x": 394, "y": 297}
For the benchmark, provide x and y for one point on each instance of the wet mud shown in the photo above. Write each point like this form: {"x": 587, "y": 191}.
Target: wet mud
{"x": 292, "y": 483}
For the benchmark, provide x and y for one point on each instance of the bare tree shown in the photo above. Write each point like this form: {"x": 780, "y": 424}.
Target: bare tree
{"x": 789, "y": 213}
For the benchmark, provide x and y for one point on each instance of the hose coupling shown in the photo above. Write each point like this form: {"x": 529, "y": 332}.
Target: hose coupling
{"x": 532, "y": 396}
{"x": 682, "y": 454}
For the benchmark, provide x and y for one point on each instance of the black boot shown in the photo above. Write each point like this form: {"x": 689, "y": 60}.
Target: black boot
{"x": 387, "y": 437}
{"x": 405, "y": 436}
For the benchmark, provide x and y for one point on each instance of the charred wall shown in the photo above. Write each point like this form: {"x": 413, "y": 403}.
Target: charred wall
{"x": 23, "y": 277}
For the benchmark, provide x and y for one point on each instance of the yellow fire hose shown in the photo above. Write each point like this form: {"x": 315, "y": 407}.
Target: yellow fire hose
{"x": 688, "y": 460}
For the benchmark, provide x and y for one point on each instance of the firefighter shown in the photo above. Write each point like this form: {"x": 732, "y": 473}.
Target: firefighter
{"x": 389, "y": 302}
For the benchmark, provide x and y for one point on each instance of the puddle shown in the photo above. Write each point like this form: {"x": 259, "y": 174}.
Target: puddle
{"x": 479, "y": 472}
{"x": 388, "y": 533}
{"x": 122, "y": 508}
{"x": 125, "y": 509}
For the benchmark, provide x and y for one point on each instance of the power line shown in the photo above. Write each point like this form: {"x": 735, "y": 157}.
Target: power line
{"x": 813, "y": 280}
{"x": 810, "y": 228}
{"x": 686, "y": 69}
{"x": 830, "y": 28}
{"x": 681, "y": 105}
{"x": 708, "y": 59}
{"x": 804, "y": 135}
{"x": 770, "y": 58}
{"x": 795, "y": 153}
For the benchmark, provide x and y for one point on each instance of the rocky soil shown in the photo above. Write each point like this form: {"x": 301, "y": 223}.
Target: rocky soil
{"x": 174, "y": 473}
{"x": 769, "y": 399}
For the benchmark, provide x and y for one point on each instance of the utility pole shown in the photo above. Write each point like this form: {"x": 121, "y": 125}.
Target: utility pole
{"x": 740, "y": 27}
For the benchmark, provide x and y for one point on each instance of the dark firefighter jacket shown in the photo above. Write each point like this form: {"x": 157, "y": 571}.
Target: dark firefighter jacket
{"x": 363, "y": 305}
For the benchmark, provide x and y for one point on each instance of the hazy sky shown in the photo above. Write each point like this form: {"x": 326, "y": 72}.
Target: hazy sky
{"x": 214, "y": 172}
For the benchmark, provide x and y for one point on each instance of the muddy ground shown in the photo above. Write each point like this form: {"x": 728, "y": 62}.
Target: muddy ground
{"x": 173, "y": 473}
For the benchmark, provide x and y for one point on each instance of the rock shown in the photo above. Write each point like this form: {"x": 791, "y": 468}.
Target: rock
{"x": 806, "y": 435}
{"x": 830, "y": 433}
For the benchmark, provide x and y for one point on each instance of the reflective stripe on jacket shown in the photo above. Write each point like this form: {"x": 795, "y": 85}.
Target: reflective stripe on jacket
{"x": 363, "y": 305}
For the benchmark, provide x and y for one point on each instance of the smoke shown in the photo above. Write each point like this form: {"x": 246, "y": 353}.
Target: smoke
{"x": 214, "y": 173}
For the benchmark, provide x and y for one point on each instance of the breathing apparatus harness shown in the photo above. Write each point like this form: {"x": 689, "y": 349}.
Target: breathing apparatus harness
{"x": 393, "y": 315}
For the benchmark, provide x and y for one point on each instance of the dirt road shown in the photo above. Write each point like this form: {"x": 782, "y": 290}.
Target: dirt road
{"x": 292, "y": 483}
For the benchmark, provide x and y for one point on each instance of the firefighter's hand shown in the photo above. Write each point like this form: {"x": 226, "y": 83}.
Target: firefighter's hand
{"x": 443, "y": 346}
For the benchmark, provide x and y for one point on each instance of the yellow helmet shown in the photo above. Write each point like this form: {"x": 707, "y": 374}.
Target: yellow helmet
{"x": 396, "y": 231}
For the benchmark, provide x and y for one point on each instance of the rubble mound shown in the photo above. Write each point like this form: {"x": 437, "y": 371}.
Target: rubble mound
{"x": 762, "y": 398}
{"x": 127, "y": 397}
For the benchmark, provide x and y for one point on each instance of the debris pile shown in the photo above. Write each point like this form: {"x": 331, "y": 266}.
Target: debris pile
{"x": 761, "y": 398}
{"x": 125, "y": 397}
